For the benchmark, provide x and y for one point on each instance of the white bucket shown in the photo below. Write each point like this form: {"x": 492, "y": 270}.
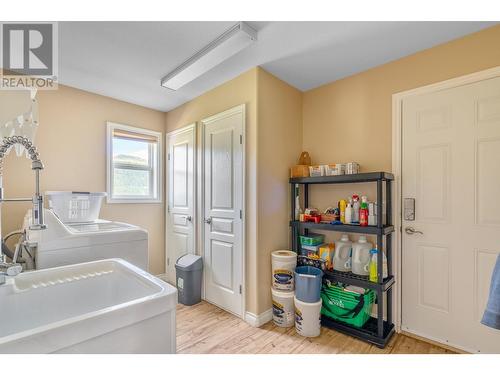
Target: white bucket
{"x": 283, "y": 308}
{"x": 307, "y": 318}
{"x": 283, "y": 265}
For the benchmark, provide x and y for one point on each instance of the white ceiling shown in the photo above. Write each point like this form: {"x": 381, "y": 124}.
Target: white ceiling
{"x": 126, "y": 60}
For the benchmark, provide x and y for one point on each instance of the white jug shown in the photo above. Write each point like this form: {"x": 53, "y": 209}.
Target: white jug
{"x": 342, "y": 257}
{"x": 361, "y": 257}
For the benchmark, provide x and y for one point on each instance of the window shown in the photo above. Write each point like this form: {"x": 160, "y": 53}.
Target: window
{"x": 133, "y": 165}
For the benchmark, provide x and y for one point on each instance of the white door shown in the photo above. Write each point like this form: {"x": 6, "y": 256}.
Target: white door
{"x": 180, "y": 223}
{"x": 451, "y": 166}
{"x": 222, "y": 208}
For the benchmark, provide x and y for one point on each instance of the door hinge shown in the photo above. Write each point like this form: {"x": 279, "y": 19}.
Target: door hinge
{"x": 241, "y": 214}
{"x": 241, "y": 289}
{"x": 168, "y": 156}
{"x": 168, "y": 208}
{"x": 241, "y": 139}
{"x": 168, "y": 261}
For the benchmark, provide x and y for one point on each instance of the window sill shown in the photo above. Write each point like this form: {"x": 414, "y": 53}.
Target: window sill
{"x": 132, "y": 200}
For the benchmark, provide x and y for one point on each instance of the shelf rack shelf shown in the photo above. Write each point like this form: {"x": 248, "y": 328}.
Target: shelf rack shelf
{"x": 377, "y": 330}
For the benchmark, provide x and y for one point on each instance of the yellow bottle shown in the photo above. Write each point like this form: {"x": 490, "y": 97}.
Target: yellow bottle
{"x": 373, "y": 265}
{"x": 342, "y": 207}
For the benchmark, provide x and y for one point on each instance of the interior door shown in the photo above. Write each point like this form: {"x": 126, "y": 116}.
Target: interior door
{"x": 450, "y": 166}
{"x": 180, "y": 223}
{"x": 222, "y": 207}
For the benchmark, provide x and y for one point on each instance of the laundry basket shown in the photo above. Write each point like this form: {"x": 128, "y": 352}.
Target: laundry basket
{"x": 75, "y": 207}
{"x": 348, "y": 307}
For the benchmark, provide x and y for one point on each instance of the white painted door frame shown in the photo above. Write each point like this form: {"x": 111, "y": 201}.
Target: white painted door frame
{"x": 201, "y": 194}
{"x": 397, "y": 101}
{"x": 191, "y": 127}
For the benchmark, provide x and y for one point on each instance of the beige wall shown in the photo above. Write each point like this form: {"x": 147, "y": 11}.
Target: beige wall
{"x": 71, "y": 140}
{"x": 350, "y": 119}
{"x": 240, "y": 90}
{"x": 279, "y": 146}
{"x": 273, "y": 142}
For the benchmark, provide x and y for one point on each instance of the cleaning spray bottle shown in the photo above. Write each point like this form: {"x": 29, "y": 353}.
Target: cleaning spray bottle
{"x": 348, "y": 212}
{"x": 355, "y": 209}
{"x": 363, "y": 212}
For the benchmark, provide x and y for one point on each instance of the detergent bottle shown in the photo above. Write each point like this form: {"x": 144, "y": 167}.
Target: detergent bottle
{"x": 342, "y": 255}
{"x": 373, "y": 265}
{"x": 361, "y": 256}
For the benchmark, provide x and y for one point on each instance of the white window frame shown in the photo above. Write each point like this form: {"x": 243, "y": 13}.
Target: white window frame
{"x": 111, "y": 126}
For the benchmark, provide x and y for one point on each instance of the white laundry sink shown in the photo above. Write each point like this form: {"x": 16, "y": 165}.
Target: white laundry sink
{"x": 106, "y": 306}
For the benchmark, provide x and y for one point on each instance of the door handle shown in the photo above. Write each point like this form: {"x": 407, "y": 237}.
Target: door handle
{"x": 189, "y": 218}
{"x": 208, "y": 220}
{"x": 411, "y": 230}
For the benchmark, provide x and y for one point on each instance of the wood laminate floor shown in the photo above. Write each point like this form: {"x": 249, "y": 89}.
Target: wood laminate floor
{"x": 204, "y": 328}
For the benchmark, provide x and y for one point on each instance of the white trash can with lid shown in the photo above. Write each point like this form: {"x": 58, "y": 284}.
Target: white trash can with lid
{"x": 188, "y": 272}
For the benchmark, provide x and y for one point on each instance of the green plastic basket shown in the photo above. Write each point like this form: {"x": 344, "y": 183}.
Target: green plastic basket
{"x": 312, "y": 239}
{"x": 347, "y": 307}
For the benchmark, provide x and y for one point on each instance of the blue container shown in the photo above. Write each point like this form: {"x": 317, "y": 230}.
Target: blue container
{"x": 308, "y": 284}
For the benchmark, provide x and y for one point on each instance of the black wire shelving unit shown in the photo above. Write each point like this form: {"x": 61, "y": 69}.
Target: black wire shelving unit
{"x": 377, "y": 330}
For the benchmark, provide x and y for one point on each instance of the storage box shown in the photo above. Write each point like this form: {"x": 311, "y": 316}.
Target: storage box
{"x": 345, "y": 306}
{"x": 334, "y": 169}
{"x": 310, "y": 250}
{"x": 316, "y": 170}
{"x": 312, "y": 239}
{"x": 352, "y": 168}
{"x": 299, "y": 171}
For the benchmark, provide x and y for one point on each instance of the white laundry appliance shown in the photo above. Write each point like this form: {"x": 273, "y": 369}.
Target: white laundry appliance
{"x": 74, "y": 234}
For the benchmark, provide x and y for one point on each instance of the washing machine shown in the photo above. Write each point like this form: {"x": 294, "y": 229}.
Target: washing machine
{"x": 64, "y": 243}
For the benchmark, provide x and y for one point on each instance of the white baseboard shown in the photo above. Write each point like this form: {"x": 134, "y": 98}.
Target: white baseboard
{"x": 258, "y": 320}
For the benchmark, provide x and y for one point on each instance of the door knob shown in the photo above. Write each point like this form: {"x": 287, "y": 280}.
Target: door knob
{"x": 411, "y": 230}
{"x": 189, "y": 218}
{"x": 208, "y": 221}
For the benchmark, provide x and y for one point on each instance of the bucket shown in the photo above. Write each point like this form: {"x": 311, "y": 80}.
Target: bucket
{"x": 283, "y": 308}
{"x": 307, "y": 318}
{"x": 283, "y": 264}
{"x": 308, "y": 284}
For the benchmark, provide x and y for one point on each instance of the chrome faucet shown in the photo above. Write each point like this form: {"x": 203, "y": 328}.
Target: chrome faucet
{"x": 12, "y": 268}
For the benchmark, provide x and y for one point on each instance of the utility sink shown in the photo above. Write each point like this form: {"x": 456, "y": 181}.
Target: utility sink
{"x": 106, "y": 306}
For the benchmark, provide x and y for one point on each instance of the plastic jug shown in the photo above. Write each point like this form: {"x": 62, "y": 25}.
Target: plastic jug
{"x": 361, "y": 257}
{"x": 342, "y": 257}
{"x": 373, "y": 265}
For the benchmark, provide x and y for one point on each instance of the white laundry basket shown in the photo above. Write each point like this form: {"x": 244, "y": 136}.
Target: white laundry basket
{"x": 74, "y": 206}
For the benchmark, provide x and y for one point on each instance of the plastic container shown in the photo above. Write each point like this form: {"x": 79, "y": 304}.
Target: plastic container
{"x": 342, "y": 256}
{"x": 283, "y": 308}
{"x": 308, "y": 318}
{"x": 188, "y": 272}
{"x": 283, "y": 263}
{"x": 361, "y": 257}
{"x": 308, "y": 284}
{"x": 308, "y": 250}
{"x": 75, "y": 207}
{"x": 373, "y": 266}
{"x": 348, "y": 307}
{"x": 312, "y": 239}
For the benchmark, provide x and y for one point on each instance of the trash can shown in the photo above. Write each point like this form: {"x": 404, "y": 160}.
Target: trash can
{"x": 188, "y": 270}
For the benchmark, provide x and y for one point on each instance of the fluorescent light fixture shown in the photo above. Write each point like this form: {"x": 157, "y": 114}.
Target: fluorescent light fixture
{"x": 223, "y": 47}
